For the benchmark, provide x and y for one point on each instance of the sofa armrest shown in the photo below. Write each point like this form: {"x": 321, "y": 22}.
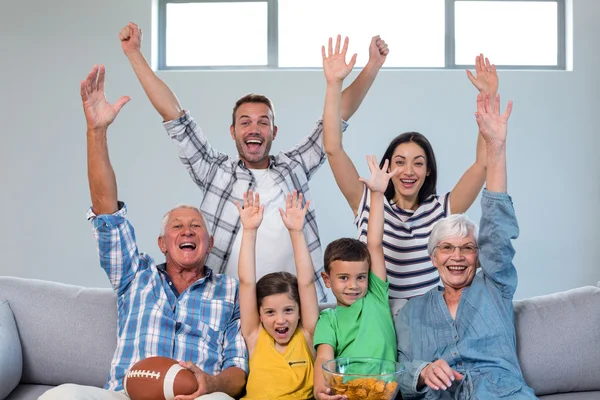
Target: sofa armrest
{"x": 11, "y": 358}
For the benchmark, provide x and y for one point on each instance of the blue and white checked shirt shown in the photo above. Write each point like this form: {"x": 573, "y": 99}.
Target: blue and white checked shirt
{"x": 223, "y": 180}
{"x": 201, "y": 325}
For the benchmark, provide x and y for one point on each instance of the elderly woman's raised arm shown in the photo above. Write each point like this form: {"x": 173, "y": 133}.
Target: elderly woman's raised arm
{"x": 498, "y": 220}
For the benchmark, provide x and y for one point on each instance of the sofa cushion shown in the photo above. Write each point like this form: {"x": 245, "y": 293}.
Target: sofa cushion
{"x": 68, "y": 333}
{"x": 558, "y": 339}
{"x": 11, "y": 361}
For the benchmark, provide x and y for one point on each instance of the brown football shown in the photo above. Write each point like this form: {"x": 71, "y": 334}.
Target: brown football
{"x": 158, "y": 378}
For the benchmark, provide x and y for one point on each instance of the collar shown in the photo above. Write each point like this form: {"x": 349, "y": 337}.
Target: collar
{"x": 240, "y": 163}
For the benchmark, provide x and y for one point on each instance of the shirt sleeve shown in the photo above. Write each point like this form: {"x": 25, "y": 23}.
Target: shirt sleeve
{"x": 235, "y": 353}
{"x": 195, "y": 153}
{"x": 410, "y": 378}
{"x": 116, "y": 246}
{"x": 310, "y": 153}
{"x": 498, "y": 228}
{"x": 379, "y": 289}
{"x": 325, "y": 331}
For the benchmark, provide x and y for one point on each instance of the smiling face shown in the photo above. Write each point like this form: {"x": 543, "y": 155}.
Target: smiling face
{"x": 411, "y": 161}
{"x": 280, "y": 315}
{"x": 348, "y": 280}
{"x": 254, "y": 132}
{"x": 185, "y": 242}
{"x": 456, "y": 270}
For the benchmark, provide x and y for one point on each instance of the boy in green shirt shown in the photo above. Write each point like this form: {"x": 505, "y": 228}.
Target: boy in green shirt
{"x": 361, "y": 324}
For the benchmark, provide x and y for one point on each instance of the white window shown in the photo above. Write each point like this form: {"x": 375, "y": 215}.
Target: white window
{"x": 203, "y": 34}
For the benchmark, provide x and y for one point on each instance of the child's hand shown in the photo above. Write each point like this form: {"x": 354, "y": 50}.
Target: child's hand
{"x": 378, "y": 182}
{"x": 293, "y": 217}
{"x": 251, "y": 214}
{"x": 324, "y": 394}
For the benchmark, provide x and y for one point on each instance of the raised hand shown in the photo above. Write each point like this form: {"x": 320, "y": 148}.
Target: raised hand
{"x": 380, "y": 177}
{"x": 438, "y": 375}
{"x": 492, "y": 125}
{"x": 486, "y": 78}
{"x": 131, "y": 38}
{"x": 251, "y": 214}
{"x": 334, "y": 61}
{"x": 293, "y": 216}
{"x": 99, "y": 114}
{"x": 378, "y": 51}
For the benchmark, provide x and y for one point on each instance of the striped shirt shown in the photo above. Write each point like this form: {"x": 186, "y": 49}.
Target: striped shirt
{"x": 405, "y": 236}
{"x": 223, "y": 180}
{"x": 201, "y": 325}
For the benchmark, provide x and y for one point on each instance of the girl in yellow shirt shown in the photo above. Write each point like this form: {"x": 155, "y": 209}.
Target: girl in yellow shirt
{"x": 279, "y": 312}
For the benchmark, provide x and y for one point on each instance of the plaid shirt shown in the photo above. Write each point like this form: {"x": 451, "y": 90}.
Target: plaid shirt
{"x": 224, "y": 180}
{"x": 201, "y": 325}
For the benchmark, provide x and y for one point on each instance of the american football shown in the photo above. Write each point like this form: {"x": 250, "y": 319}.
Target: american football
{"x": 158, "y": 378}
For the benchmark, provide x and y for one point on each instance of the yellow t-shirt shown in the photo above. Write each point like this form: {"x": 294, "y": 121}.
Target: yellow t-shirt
{"x": 275, "y": 375}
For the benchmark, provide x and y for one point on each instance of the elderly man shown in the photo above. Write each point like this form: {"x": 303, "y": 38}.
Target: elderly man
{"x": 223, "y": 179}
{"x": 180, "y": 309}
{"x": 458, "y": 341}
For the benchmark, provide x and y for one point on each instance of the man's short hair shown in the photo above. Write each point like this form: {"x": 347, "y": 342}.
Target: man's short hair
{"x": 252, "y": 98}
{"x": 165, "y": 220}
{"x": 346, "y": 249}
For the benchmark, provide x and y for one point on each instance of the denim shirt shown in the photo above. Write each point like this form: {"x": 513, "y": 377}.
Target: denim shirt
{"x": 480, "y": 342}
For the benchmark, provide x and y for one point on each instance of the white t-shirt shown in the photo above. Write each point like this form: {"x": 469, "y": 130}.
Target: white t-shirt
{"x": 274, "y": 252}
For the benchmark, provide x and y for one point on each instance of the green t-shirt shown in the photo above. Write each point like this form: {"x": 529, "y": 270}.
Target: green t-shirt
{"x": 365, "y": 329}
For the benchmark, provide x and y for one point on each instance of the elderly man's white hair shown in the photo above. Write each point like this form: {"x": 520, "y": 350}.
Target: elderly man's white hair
{"x": 456, "y": 225}
{"x": 165, "y": 220}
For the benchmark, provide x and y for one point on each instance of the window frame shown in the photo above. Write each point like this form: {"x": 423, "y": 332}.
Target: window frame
{"x": 273, "y": 39}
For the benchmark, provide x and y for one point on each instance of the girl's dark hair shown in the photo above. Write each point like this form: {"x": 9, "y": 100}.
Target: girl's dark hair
{"x": 429, "y": 186}
{"x": 277, "y": 283}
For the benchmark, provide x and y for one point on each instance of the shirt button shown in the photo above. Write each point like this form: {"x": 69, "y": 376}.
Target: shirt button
{"x": 455, "y": 337}
{"x": 460, "y": 364}
{"x": 454, "y": 354}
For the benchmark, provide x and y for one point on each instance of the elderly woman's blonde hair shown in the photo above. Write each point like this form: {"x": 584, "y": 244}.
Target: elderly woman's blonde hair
{"x": 456, "y": 225}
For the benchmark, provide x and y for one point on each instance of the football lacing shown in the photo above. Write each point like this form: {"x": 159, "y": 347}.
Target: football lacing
{"x": 137, "y": 373}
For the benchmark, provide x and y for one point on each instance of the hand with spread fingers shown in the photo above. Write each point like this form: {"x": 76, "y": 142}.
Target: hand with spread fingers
{"x": 293, "y": 216}
{"x": 378, "y": 51}
{"x": 334, "y": 61}
{"x": 438, "y": 375}
{"x": 251, "y": 214}
{"x": 485, "y": 78}
{"x": 492, "y": 124}
{"x": 378, "y": 182}
{"x": 99, "y": 113}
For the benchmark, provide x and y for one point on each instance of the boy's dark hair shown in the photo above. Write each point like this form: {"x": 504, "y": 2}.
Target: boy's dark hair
{"x": 252, "y": 98}
{"x": 277, "y": 283}
{"x": 346, "y": 249}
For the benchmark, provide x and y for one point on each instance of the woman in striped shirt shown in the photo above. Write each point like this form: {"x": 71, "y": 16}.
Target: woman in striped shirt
{"x": 412, "y": 205}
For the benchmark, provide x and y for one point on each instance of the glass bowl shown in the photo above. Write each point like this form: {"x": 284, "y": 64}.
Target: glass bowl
{"x": 363, "y": 378}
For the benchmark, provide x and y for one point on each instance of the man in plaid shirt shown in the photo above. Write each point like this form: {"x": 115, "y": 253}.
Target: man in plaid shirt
{"x": 180, "y": 309}
{"x": 224, "y": 179}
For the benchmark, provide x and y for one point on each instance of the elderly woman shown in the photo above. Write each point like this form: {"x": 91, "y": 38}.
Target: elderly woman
{"x": 458, "y": 341}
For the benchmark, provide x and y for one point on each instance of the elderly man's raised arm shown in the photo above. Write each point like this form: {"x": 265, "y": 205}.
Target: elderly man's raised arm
{"x": 99, "y": 114}
{"x": 498, "y": 220}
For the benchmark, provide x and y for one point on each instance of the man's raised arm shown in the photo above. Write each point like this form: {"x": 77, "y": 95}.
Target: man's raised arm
{"x": 159, "y": 94}
{"x": 99, "y": 114}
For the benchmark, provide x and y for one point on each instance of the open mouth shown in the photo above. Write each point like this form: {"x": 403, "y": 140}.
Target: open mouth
{"x": 253, "y": 144}
{"x": 281, "y": 332}
{"x": 353, "y": 295}
{"x": 457, "y": 269}
{"x": 187, "y": 246}
{"x": 408, "y": 183}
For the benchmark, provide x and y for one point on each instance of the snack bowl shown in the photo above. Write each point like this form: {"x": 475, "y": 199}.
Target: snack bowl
{"x": 363, "y": 378}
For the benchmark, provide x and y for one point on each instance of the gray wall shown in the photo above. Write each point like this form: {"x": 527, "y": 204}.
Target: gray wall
{"x": 47, "y": 47}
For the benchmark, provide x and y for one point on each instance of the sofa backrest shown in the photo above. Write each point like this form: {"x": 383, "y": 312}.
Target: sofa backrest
{"x": 558, "y": 339}
{"x": 67, "y": 333}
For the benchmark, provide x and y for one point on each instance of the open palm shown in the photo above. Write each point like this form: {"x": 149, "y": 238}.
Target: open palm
{"x": 251, "y": 214}
{"x": 99, "y": 113}
{"x": 486, "y": 77}
{"x": 334, "y": 61}
{"x": 492, "y": 124}
{"x": 378, "y": 182}
{"x": 293, "y": 217}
